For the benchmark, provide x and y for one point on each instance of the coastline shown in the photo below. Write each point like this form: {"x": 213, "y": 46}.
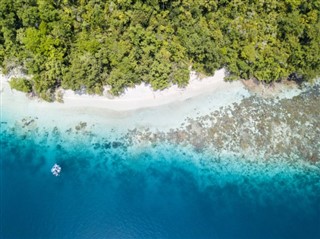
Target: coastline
{"x": 224, "y": 117}
{"x": 142, "y": 96}
{"x": 137, "y": 107}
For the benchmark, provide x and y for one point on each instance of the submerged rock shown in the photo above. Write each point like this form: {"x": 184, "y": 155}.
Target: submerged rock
{"x": 256, "y": 126}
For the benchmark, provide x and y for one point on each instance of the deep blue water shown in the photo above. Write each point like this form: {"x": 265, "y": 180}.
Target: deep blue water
{"x": 162, "y": 191}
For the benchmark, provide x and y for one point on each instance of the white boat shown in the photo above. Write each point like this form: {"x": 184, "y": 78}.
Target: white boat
{"x": 56, "y": 169}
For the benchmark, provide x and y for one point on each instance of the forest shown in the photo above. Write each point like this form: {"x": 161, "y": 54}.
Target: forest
{"x": 89, "y": 44}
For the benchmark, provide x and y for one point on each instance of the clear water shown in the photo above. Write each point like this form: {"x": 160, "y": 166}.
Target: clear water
{"x": 156, "y": 191}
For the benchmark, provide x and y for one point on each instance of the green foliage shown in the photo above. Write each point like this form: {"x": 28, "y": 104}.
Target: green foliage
{"x": 84, "y": 45}
{"x": 21, "y": 84}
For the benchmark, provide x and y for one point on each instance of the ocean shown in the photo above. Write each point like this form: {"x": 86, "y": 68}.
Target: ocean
{"x": 109, "y": 189}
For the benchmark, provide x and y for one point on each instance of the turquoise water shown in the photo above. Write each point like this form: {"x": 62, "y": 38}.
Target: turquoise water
{"x": 111, "y": 189}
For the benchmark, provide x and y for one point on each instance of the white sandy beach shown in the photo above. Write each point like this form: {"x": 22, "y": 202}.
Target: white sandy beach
{"x": 139, "y": 107}
{"x": 143, "y": 96}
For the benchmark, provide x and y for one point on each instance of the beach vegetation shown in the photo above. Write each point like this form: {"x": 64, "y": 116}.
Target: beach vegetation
{"x": 89, "y": 44}
{"x": 21, "y": 84}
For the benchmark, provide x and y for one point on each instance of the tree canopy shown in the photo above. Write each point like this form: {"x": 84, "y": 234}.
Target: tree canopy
{"x": 86, "y": 44}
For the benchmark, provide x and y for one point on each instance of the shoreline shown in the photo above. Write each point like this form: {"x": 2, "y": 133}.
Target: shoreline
{"x": 143, "y": 96}
{"x": 138, "y": 107}
{"x": 228, "y": 118}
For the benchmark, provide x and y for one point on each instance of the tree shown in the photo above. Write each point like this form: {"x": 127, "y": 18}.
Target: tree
{"x": 21, "y": 84}
{"x": 84, "y": 45}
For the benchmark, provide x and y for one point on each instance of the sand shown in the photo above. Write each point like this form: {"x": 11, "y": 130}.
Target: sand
{"x": 142, "y": 96}
{"x": 138, "y": 107}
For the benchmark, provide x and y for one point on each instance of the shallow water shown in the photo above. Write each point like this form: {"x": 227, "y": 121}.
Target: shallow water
{"x": 116, "y": 190}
